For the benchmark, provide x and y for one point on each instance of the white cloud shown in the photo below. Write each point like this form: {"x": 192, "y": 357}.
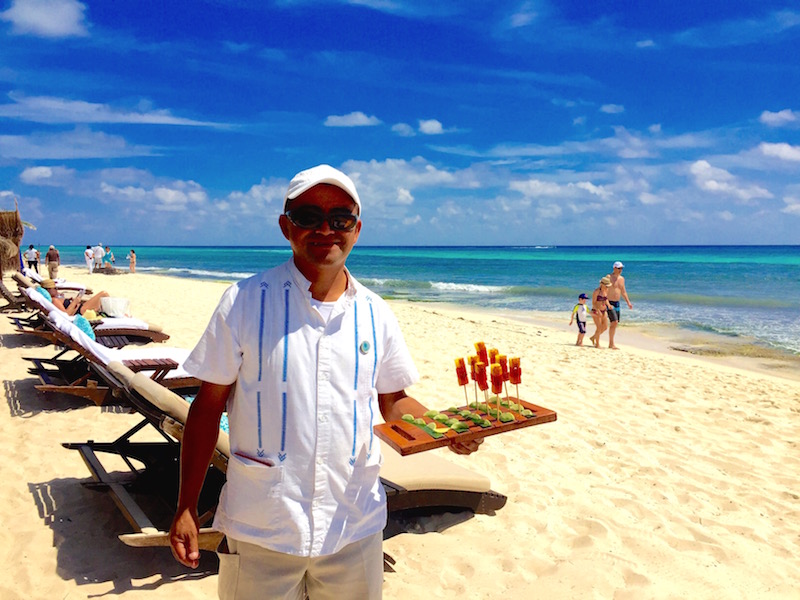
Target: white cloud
{"x": 412, "y": 220}
{"x": 612, "y": 109}
{"x": 725, "y": 215}
{"x": 780, "y": 118}
{"x": 47, "y": 18}
{"x": 354, "y": 119}
{"x": 534, "y": 188}
{"x": 792, "y": 205}
{"x": 655, "y": 128}
{"x": 430, "y": 127}
{"x": 76, "y": 144}
{"x": 595, "y": 190}
{"x": 549, "y": 211}
{"x": 579, "y": 120}
{"x": 525, "y": 15}
{"x": 403, "y": 130}
{"x": 404, "y": 196}
{"x": 258, "y": 197}
{"x": 740, "y": 32}
{"x": 50, "y": 176}
{"x": 49, "y": 109}
{"x": 649, "y": 198}
{"x": 645, "y": 44}
{"x": 719, "y": 181}
{"x": 782, "y": 151}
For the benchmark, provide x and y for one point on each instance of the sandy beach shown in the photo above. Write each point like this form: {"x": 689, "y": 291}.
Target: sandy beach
{"x": 666, "y": 475}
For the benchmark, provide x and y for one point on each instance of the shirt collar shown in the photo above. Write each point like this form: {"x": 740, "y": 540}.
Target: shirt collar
{"x": 305, "y": 285}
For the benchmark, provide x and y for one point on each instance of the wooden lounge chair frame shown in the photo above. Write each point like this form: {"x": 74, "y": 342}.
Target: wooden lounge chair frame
{"x": 14, "y": 303}
{"x": 111, "y": 337}
{"x": 24, "y": 281}
{"x": 163, "y": 459}
{"x": 75, "y": 377}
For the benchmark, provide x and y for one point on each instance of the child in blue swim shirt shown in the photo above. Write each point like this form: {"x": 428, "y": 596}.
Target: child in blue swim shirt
{"x": 579, "y": 314}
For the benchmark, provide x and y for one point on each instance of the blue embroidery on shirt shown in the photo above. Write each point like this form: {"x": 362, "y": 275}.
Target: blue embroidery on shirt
{"x": 258, "y": 412}
{"x": 355, "y": 380}
{"x": 264, "y": 287}
{"x": 374, "y": 367}
{"x": 282, "y": 453}
{"x": 286, "y": 285}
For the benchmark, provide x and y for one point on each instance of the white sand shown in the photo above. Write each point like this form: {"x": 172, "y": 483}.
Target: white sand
{"x": 665, "y": 476}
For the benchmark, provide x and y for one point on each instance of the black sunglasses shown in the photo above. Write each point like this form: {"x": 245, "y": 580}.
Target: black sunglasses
{"x": 311, "y": 217}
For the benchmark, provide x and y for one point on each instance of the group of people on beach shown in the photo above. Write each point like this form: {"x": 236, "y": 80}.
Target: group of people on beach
{"x": 605, "y": 309}
{"x": 100, "y": 258}
{"x": 97, "y": 258}
{"x": 52, "y": 260}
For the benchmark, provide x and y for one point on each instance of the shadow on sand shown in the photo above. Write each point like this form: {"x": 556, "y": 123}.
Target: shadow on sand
{"x": 85, "y": 526}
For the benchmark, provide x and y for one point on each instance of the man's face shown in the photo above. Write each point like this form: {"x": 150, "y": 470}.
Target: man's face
{"x": 321, "y": 246}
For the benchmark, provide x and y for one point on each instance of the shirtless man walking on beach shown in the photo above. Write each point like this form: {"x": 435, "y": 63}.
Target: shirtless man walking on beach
{"x": 615, "y": 292}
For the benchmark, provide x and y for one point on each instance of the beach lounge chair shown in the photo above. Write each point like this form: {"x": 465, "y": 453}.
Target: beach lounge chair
{"x": 419, "y": 482}
{"x": 14, "y": 302}
{"x": 74, "y": 376}
{"x": 31, "y": 278}
{"x": 114, "y": 332}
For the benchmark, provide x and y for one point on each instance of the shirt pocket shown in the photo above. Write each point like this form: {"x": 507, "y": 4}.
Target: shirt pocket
{"x": 253, "y": 491}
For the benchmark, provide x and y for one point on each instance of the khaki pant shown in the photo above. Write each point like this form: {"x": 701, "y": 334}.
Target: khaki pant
{"x": 52, "y": 269}
{"x": 247, "y": 571}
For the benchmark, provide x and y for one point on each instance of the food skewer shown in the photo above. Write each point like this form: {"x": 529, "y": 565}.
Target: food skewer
{"x": 502, "y": 360}
{"x": 493, "y": 353}
{"x": 473, "y": 360}
{"x": 480, "y": 349}
{"x": 515, "y": 373}
{"x": 480, "y": 378}
{"x": 463, "y": 378}
{"x": 497, "y": 384}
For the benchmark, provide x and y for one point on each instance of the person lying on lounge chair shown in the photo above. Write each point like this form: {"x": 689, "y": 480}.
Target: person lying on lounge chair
{"x": 75, "y": 305}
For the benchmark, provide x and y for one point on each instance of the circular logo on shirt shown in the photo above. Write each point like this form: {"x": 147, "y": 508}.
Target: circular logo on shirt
{"x": 364, "y": 347}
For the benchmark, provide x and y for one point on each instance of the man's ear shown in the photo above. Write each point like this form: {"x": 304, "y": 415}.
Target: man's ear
{"x": 283, "y": 221}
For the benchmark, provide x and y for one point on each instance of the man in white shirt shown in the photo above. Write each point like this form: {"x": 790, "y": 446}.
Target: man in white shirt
{"x": 99, "y": 253}
{"x": 303, "y": 357}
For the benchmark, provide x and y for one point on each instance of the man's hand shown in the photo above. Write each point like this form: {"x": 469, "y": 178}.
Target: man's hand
{"x": 466, "y": 447}
{"x": 183, "y": 538}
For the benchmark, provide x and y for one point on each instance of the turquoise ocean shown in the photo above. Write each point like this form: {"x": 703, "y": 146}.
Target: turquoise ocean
{"x": 747, "y": 292}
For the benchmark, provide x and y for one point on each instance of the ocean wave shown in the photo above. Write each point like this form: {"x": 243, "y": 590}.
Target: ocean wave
{"x": 468, "y": 287}
{"x": 199, "y": 273}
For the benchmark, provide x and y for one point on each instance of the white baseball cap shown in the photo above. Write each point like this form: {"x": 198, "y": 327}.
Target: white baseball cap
{"x": 618, "y": 265}
{"x": 307, "y": 179}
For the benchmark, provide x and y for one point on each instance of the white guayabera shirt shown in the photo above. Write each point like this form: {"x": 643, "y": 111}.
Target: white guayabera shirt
{"x": 305, "y": 400}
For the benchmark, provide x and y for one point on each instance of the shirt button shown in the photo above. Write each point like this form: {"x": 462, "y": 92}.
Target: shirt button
{"x": 323, "y": 419}
{"x": 320, "y": 461}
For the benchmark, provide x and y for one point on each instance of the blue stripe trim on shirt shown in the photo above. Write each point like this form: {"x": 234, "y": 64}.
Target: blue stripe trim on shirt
{"x": 261, "y": 332}
{"x": 258, "y": 410}
{"x": 374, "y": 345}
{"x": 355, "y": 425}
{"x": 374, "y": 367}
{"x": 285, "y": 333}
{"x": 283, "y": 423}
{"x": 355, "y": 330}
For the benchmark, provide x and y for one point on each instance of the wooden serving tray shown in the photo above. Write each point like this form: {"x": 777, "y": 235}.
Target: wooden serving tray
{"x": 408, "y": 438}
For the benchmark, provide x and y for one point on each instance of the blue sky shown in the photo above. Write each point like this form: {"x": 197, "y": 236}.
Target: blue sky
{"x": 502, "y": 123}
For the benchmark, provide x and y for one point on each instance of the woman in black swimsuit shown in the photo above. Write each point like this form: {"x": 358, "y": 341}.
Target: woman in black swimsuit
{"x": 599, "y": 307}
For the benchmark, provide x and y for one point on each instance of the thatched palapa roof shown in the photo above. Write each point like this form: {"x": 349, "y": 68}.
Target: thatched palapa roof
{"x": 11, "y": 232}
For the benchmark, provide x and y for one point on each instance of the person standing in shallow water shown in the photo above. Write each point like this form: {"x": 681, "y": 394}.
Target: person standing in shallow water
{"x": 132, "y": 260}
